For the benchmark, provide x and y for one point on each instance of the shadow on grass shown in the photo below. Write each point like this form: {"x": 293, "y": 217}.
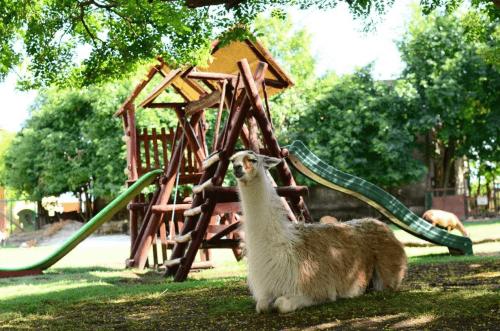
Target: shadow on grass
{"x": 447, "y": 258}
{"x": 230, "y": 307}
{"x": 460, "y": 295}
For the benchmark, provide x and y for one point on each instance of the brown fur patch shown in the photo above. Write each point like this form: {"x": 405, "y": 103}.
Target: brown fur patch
{"x": 247, "y": 164}
{"x": 342, "y": 258}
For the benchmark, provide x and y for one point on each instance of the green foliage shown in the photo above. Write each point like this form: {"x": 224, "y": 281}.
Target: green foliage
{"x": 70, "y": 138}
{"x": 451, "y": 66}
{"x": 291, "y": 49}
{"x": 84, "y": 42}
{"x": 5, "y": 141}
{"x": 72, "y": 142}
{"x": 357, "y": 127}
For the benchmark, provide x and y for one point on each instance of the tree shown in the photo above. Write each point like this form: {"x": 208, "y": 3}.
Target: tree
{"x": 5, "y": 141}
{"x": 73, "y": 143}
{"x": 88, "y": 41}
{"x": 61, "y": 149}
{"x": 456, "y": 88}
{"x": 356, "y": 126}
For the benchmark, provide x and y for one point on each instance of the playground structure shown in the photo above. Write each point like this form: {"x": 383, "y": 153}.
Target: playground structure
{"x": 238, "y": 91}
{"x": 190, "y": 211}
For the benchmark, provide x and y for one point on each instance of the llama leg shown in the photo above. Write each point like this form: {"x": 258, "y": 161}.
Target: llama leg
{"x": 389, "y": 272}
{"x": 286, "y": 304}
{"x": 264, "y": 304}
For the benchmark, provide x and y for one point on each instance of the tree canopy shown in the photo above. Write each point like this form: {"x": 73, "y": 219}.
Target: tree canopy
{"x": 61, "y": 149}
{"x": 83, "y": 42}
{"x": 6, "y": 138}
{"x": 456, "y": 81}
{"x": 356, "y": 126}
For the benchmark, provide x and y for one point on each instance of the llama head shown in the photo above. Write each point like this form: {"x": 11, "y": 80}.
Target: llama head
{"x": 247, "y": 165}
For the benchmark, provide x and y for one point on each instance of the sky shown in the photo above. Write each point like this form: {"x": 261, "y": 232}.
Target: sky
{"x": 338, "y": 44}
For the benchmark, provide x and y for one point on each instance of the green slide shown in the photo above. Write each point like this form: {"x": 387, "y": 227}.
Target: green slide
{"x": 86, "y": 230}
{"x": 311, "y": 166}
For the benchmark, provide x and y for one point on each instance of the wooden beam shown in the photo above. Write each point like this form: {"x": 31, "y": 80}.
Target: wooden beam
{"x": 187, "y": 127}
{"x": 204, "y": 3}
{"x": 166, "y": 208}
{"x": 276, "y": 83}
{"x": 210, "y": 75}
{"x": 138, "y": 89}
{"x": 230, "y": 194}
{"x": 161, "y": 87}
{"x": 204, "y": 102}
{"x": 236, "y": 119}
{"x": 219, "y": 116}
{"x": 251, "y": 88}
{"x": 227, "y": 207}
{"x": 166, "y": 105}
{"x": 221, "y": 243}
{"x": 225, "y": 231}
{"x": 152, "y": 223}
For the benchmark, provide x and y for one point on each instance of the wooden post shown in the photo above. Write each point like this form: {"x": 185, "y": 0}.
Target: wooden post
{"x": 219, "y": 116}
{"x": 190, "y": 134}
{"x": 131, "y": 143}
{"x": 268, "y": 135}
{"x": 165, "y": 191}
{"x": 145, "y": 220}
{"x": 130, "y": 133}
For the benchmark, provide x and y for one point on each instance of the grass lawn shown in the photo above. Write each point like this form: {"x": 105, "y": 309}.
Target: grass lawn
{"x": 441, "y": 292}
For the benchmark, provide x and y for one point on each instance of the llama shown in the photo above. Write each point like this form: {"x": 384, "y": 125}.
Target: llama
{"x": 291, "y": 266}
{"x": 445, "y": 220}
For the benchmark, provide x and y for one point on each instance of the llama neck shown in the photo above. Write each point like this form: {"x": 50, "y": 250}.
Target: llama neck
{"x": 263, "y": 211}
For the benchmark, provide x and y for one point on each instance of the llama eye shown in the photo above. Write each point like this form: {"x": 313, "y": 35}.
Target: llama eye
{"x": 253, "y": 160}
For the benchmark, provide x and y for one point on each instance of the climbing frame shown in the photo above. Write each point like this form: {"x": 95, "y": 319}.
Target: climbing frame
{"x": 208, "y": 216}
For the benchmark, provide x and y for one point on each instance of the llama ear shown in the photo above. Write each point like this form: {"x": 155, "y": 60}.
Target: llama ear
{"x": 270, "y": 162}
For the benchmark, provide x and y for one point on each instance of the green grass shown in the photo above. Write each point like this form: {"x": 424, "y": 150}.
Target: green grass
{"x": 440, "y": 292}
{"x": 434, "y": 295}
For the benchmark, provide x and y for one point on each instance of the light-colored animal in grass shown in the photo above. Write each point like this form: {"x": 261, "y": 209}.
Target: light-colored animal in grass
{"x": 445, "y": 220}
{"x": 328, "y": 220}
{"x": 294, "y": 266}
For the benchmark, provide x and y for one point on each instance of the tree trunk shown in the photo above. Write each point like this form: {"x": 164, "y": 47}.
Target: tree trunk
{"x": 448, "y": 163}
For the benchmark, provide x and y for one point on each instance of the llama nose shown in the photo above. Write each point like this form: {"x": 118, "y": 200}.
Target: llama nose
{"x": 238, "y": 170}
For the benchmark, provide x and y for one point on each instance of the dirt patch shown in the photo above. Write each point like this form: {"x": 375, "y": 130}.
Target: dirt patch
{"x": 453, "y": 276}
{"x": 49, "y": 234}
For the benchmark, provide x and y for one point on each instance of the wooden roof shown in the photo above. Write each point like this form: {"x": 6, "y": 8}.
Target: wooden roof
{"x": 223, "y": 62}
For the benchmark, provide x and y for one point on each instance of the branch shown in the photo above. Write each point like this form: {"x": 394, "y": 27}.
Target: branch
{"x": 203, "y": 3}
{"x": 98, "y": 4}
{"x": 82, "y": 19}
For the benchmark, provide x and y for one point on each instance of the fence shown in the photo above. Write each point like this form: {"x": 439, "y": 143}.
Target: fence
{"x": 485, "y": 205}
{"x": 451, "y": 200}
{"x": 464, "y": 206}
{"x": 16, "y": 215}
